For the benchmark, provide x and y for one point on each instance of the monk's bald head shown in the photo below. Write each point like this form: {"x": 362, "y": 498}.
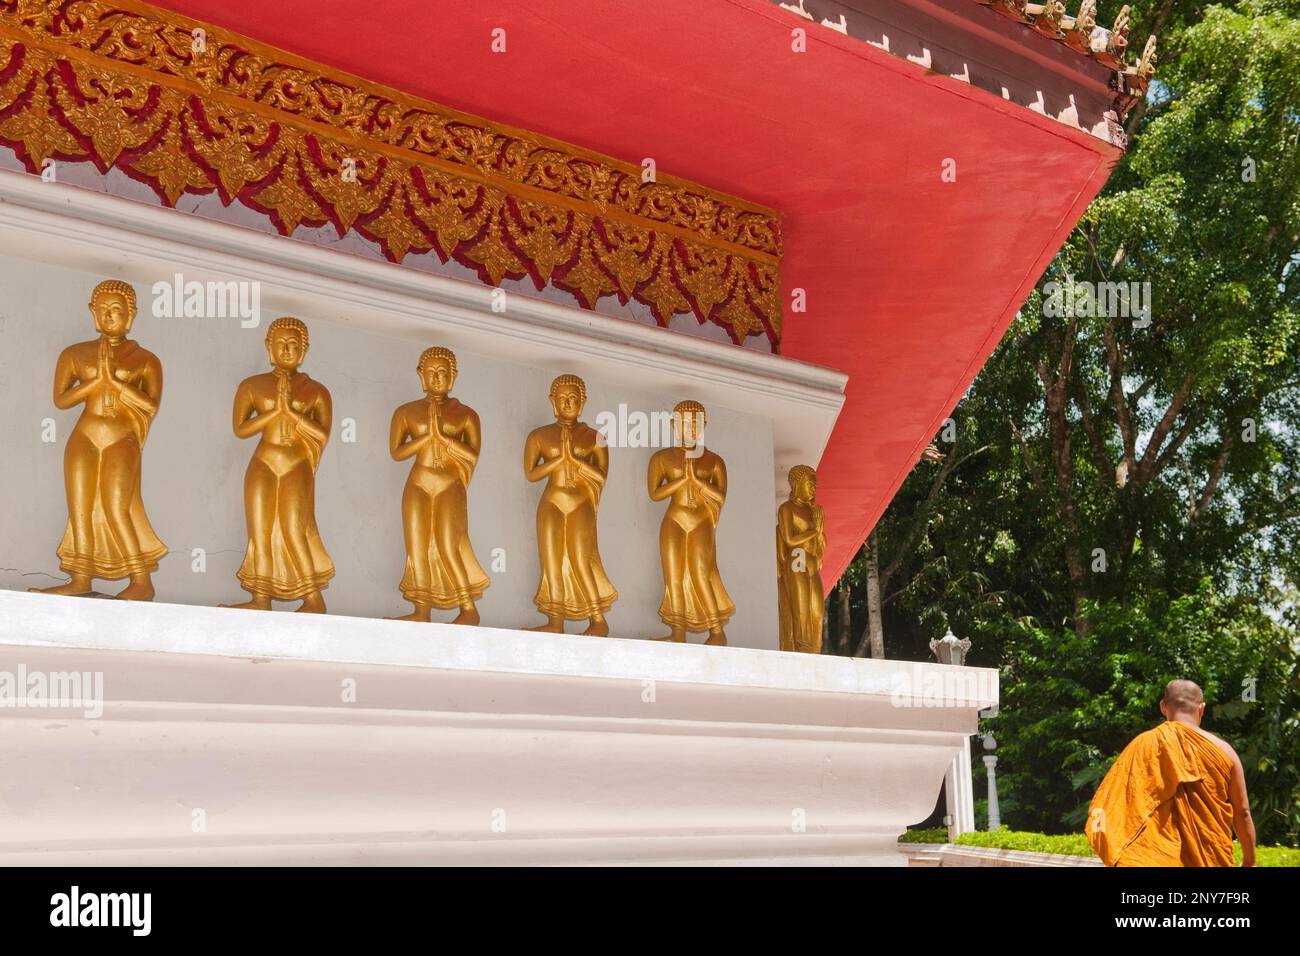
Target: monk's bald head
{"x": 1183, "y": 698}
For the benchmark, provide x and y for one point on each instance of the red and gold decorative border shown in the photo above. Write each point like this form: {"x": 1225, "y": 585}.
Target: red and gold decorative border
{"x": 190, "y": 108}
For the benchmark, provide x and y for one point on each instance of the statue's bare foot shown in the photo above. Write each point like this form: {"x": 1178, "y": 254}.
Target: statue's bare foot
{"x": 553, "y": 625}
{"x": 312, "y": 604}
{"x": 598, "y": 627}
{"x": 256, "y": 604}
{"x": 76, "y": 586}
{"x": 140, "y": 589}
{"x": 717, "y": 638}
{"x": 467, "y": 616}
{"x": 416, "y": 615}
{"x": 676, "y": 636}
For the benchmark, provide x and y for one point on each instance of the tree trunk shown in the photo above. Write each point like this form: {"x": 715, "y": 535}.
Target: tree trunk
{"x": 875, "y": 627}
{"x": 844, "y": 629}
{"x": 1056, "y": 400}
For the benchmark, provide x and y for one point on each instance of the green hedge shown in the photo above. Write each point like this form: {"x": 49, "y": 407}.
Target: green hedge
{"x": 1072, "y": 844}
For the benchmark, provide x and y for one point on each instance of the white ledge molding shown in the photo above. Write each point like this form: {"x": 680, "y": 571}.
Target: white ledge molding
{"x": 247, "y": 737}
{"x": 78, "y": 228}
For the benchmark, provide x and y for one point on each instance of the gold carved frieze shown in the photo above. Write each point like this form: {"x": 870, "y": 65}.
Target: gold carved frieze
{"x": 189, "y": 108}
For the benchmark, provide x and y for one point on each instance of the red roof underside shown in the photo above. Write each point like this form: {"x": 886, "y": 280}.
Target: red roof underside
{"x": 910, "y": 281}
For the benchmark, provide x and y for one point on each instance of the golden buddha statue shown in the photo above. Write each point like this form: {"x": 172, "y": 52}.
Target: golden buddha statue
{"x": 694, "y": 478}
{"x": 572, "y": 458}
{"x": 800, "y": 547}
{"x": 290, "y": 413}
{"x": 120, "y": 386}
{"x": 443, "y": 437}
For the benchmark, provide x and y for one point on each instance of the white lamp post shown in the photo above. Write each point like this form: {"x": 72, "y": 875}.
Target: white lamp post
{"x": 990, "y": 762}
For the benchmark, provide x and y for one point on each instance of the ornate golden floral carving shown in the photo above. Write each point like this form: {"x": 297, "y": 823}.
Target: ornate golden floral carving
{"x": 130, "y": 86}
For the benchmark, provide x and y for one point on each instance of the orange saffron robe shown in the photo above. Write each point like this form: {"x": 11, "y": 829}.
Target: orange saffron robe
{"x": 1164, "y": 802}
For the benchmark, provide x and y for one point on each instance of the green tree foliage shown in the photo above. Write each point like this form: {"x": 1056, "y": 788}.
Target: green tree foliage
{"x": 1121, "y": 503}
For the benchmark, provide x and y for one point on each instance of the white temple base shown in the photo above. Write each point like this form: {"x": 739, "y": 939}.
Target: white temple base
{"x": 245, "y": 737}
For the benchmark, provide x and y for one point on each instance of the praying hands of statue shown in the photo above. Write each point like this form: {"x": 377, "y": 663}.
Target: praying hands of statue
{"x": 284, "y": 414}
{"x": 688, "y": 481}
{"x": 437, "y": 440}
{"x": 107, "y": 387}
{"x": 810, "y": 544}
{"x": 692, "y": 482}
{"x": 104, "y": 377}
{"x": 566, "y": 456}
{"x": 284, "y": 408}
{"x": 566, "y": 467}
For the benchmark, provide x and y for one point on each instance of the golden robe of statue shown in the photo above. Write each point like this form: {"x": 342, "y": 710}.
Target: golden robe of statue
{"x": 800, "y": 547}
{"x": 286, "y": 559}
{"x": 443, "y": 436}
{"x": 574, "y": 461}
{"x": 694, "y": 479}
{"x": 120, "y": 386}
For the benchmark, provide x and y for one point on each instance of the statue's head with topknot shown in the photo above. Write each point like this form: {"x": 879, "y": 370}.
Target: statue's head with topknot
{"x": 689, "y": 419}
{"x": 286, "y": 342}
{"x": 112, "y": 303}
{"x": 568, "y": 396}
{"x": 437, "y": 369}
{"x": 803, "y": 482}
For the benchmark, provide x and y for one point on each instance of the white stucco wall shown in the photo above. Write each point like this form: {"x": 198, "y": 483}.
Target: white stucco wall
{"x": 194, "y": 465}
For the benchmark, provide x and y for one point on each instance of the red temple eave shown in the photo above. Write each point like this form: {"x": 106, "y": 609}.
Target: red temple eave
{"x": 910, "y": 280}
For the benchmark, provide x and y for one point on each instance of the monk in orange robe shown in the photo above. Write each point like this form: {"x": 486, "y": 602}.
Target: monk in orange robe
{"x": 1174, "y": 795}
